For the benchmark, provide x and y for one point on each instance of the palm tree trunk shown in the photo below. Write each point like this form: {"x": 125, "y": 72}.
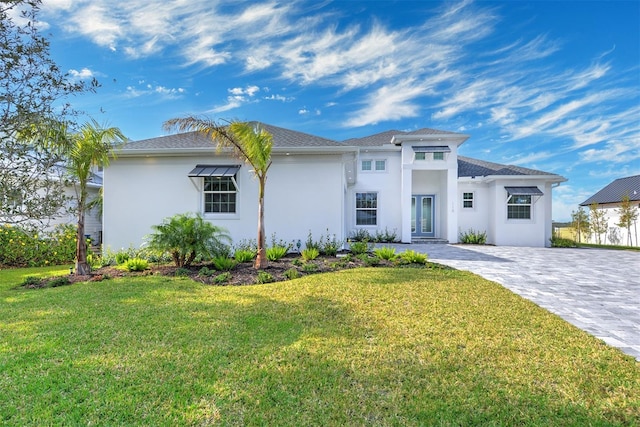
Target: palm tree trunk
{"x": 261, "y": 257}
{"x": 82, "y": 268}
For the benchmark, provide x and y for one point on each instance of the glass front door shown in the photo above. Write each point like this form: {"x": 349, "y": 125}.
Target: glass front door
{"x": 422, "y": 215}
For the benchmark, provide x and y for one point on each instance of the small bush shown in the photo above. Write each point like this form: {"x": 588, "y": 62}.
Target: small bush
{"x": 360, "y": 235}
{"x": 32, "y": 282}
{"x": 223, "y": 263}
{"x": 310, "y": 268}
{"x": 412, "y": 257}
{"x": 59, "y": 281}
{"x": 359, "y": 247}
{"x": 275, "y": 253}
{"x": 122, "y": 257}
{"x": 222, "y": 278}
{"x": 136, "y": 264}
{"x": 297, "y": 262}
{"x": 329, "y": 245}
{"x": 386, "y": 252}
{"x": 310, "y": 254}
{"x": 369, "y": 261}
{"x": 181, "y": 272}
{"x": 561, "y": 242}
{"x": 310, "y": 243}
{"x": 244, "y": 255}
{"x": 264, "y": 277}
{"x": 205, "y": 272}
{"x": 291, "y": 274}
{"x": 386, "y": 236}
{"x": 473, "y": 237}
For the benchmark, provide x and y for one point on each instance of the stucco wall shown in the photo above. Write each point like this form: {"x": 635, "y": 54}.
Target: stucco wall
{"x": 303, "y": 193}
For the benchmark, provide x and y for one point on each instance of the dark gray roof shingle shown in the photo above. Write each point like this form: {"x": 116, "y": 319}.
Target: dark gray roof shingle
{"x": 191, "y": 140}
{"x": 614, "y": 192}
{"x": 474, "y": 167}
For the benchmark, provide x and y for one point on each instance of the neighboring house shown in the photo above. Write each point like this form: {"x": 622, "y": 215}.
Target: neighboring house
{"x": 609, "y": 199}
{"x": 413, "y": 183}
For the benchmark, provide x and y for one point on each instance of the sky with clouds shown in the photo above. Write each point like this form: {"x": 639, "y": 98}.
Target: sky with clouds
{"x": 551, "y": 85}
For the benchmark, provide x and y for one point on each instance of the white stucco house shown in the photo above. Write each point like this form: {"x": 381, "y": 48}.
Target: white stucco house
{"x": 609, "y": 199}
{"x": 413, "y": 183}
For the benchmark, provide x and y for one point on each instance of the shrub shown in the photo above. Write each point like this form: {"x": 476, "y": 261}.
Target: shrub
{"x": 310, "y": 268}
{"x": 386, "y": 236}
{"x": 310, "y": 243}
{"x": 291, "y": 274}
{"x": 122, "y": 257}
{"x": 370, "y": 261}
{"x": 187, "y": 236}
{"x": 264, "y": 277}
{"x": 21, "y": 246}
{"x": 386, "y": 252}
{"x": 359, "y": 247}
{"x": 136, "y": 264}
{"x": 560, "y": 242}
{"x": 473, "y": 237}
{"x": 205, "y": 272}
{"x": 31, "y": 282}
{"x": 222, "y": 278}
{"x": 223, "y": 263}
{"x": 297, "y": 262}
{"x": 59, "y": 281}
{"x": 412, "y": 257}
{"x": 329, "y": 245}
{"x": 310, "y": 254}
{"x": 244, "y": 255}
{"x": 181, "y": 272}
{"x": 360, "y": 235}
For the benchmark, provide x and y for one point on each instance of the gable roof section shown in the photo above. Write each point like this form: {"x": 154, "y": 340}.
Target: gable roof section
{"x": 282, "y": 138}
{"x": 468, "y": 167}
{"x": 614, "y": 192}
{"x": 385, "y": 137}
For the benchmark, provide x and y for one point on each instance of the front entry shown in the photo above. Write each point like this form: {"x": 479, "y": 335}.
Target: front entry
{"x": 423, "y": 215}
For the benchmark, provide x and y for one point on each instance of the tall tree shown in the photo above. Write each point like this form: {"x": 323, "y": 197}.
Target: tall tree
{"x": 82, "y": 151}
{"x": 628, "y": 214}
{"x": 580, "y": 223}
{"x": 598, "y": 222}
{"x": 250, "y": 144}
{"x": 32, "y": 89}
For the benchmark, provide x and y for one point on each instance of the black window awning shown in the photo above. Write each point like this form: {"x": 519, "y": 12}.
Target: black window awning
{"x": 524, "y": 191}
{"x": 214, "y": 170}
{"x": 432, "y": 149}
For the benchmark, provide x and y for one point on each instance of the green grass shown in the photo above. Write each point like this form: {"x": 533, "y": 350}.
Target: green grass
{"x": 357, "y": 347}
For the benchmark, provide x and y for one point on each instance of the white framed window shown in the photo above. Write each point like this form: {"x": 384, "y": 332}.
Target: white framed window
{"x": 467, "y": 200}
{"x": 420, "y": 156}
{"x": 369, "y": 165}
{"x": 220, "y": 194}
{"x": 367, "y": 208}
{"x": 438, "y": 155}
{"x": 519, "y": 206}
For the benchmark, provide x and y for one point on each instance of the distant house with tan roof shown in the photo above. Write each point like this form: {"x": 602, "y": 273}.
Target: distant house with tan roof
{"x": 412, "y": 183}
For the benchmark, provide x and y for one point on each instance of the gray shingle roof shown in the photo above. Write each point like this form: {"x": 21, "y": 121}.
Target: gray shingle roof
{"x": 614, "y": 192}
{"x": 385, "y": 137}
{"x": 190, "y": 140}
{"x": 474, "y": 167}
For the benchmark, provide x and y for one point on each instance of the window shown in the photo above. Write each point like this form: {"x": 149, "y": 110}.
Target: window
{"x": 373, "y": 165}
{"x": 366, "y": 208}
{"x": 421, "y": 156}
{"x": 220, "y": 194}
{"x": 467, "y": 200}
{"x": 519, "y": 207}
{"x": 438, "y": 155}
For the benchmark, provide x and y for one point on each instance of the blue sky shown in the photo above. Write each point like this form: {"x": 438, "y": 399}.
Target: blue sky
{"x": 551, "y": 85}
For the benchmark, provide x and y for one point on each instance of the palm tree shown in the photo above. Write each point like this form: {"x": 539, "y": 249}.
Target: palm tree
{"x": 250, "y": 144}
{"x": 91, "y": 146}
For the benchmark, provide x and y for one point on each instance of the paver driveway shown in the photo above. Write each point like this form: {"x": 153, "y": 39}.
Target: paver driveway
{"x": 597, "y": 290}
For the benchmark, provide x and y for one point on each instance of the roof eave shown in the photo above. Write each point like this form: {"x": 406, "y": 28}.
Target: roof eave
{"x": 458, "y": 138}
{"x": 490, "y": 178}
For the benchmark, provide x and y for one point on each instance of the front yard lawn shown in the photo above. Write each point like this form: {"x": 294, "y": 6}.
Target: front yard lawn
{"x": 367, "y": 346}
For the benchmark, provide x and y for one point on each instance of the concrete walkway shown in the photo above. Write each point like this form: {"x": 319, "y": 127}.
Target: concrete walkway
{"x": 597, "y": 290}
